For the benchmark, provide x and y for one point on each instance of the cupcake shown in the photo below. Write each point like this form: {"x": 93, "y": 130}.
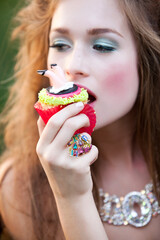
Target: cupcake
{"x": 59, "y": 95}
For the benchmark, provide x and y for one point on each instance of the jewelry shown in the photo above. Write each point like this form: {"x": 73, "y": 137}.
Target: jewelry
{"x": 79, "y": 144}
{"x": 120, "y": 210}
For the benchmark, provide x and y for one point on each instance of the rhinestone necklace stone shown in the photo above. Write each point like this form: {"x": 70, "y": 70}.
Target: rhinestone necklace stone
{"x": 120, "y": 210}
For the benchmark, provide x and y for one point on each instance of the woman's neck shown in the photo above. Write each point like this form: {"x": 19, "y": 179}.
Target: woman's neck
{"x": 120, "y": 157}
{"x": 116, "y": 143}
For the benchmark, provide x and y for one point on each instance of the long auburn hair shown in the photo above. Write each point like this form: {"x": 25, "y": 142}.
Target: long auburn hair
{"x": 19, "y": 116}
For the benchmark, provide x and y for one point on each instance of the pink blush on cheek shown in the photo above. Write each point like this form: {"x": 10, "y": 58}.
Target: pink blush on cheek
{"x": 116, "y": 83}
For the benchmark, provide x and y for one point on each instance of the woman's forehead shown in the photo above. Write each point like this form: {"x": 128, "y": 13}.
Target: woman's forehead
{"x": 88, "y": 13}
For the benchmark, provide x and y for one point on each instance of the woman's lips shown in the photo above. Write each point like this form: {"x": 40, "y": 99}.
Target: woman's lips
{"x": 92, "y": 96}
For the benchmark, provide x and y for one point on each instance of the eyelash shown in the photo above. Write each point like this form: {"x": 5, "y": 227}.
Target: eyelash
{"x": 103, "y": 48}
{"x": 62, "y": 47}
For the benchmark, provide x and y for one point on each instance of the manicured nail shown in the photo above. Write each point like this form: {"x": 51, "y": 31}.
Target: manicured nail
{"x": 53, "y": 65}
{"x": 79, "y": 104}
{"x": 41, "y": 72}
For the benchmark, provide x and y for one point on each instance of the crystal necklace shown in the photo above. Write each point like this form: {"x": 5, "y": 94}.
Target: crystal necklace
{"x": 120, "y": 210}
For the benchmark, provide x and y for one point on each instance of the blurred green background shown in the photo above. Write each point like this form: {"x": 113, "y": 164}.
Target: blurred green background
{"x": 8, "y": 49}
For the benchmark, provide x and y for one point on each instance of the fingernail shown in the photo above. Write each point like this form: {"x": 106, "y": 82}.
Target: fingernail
{"x": 41, "y": 72}
{"x": 53, "y": 65}
{"x": 79, "y": 104}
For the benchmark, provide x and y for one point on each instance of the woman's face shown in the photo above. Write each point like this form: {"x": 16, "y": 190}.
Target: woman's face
{"x": 93, "y": 44}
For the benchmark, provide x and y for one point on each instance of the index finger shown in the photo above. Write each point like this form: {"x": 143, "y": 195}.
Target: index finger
{"x": 56, "y": 121}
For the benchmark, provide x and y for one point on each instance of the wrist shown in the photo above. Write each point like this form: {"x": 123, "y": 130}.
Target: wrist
{"x": 84, "y": 207}
{"x": 88, "y": 196}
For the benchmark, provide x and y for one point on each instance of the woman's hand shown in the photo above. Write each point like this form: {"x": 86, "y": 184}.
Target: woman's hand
{"x": 69, "y": 177}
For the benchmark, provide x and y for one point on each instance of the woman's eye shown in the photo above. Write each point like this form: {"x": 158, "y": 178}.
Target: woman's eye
{"x": 102, "y": 47}
{"x": 61, "y": 47}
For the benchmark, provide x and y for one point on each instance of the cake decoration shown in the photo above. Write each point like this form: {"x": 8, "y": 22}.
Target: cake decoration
{"x": 59, "y": 95}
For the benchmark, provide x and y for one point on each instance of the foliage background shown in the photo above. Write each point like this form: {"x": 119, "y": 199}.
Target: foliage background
{"x": 8, "y": 49}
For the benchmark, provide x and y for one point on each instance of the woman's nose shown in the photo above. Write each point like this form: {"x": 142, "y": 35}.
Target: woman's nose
{"x": 76, "y": 65}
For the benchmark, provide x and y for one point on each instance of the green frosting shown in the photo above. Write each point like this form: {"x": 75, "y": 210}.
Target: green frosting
{"x": 47, "y": 99}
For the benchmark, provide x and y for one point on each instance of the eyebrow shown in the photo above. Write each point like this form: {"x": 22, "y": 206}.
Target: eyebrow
{"x": 94, "y": 31}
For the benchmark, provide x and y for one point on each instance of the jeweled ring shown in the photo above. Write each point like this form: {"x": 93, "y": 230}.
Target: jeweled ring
{"x": 79, "y": 144}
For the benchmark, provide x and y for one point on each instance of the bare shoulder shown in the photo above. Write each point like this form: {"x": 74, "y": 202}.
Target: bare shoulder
{"x": 14, "y": 203}
{"x": 4, "y": 168}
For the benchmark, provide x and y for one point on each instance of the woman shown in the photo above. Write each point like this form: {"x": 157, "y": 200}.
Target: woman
{"x": 112, "y": 48}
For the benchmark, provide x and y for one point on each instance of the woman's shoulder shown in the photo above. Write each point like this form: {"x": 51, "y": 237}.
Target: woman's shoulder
{"x": 6, "y": 183}
{"x": 4, "y": 168}
{"x": 14, "y": 202}
{"x": 12, "y": 183}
